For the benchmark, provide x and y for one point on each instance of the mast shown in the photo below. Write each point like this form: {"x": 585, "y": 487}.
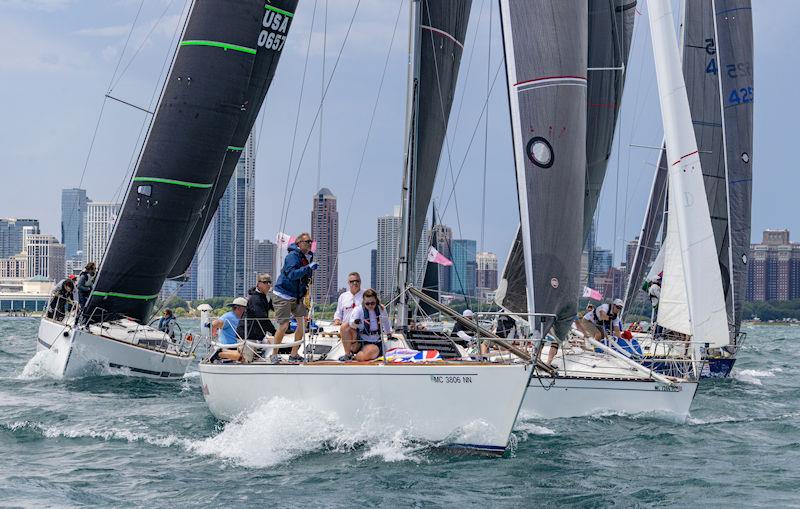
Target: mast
{"x": 688, "y": 210}
{"x": 412, "y": 108}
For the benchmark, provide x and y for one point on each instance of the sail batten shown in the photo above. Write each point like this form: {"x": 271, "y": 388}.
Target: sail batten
{"x": 211, "y": 95}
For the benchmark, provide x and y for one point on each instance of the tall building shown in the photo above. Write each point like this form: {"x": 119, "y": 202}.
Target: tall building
{"x": 11, "y": 230}
{"x": 73, "y": 210}
{"x": 463, "y": 273}
{"x": 264, "y": 254}
{"x": 773, "y": 268}
{"x": 98, "y": 227}
{"x": 387, "y": 254}
{"x": 325, "y": 230}
{"x": 444, "y": 240}
{"x": 599, "y": 264}
{"x": 234, "y": 229}
{"x": 14, "y": 267}
{"x": 45, "y": 256}
{"x": 205, "y": 264}
{"x": 486, "y": 271}
{"x": 188, "y": 289}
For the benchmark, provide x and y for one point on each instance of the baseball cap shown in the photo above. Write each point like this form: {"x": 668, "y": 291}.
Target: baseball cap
{"x": 239, "y": 301}
{"x": 467, "y": 313}
{"x": 619, "y": 303}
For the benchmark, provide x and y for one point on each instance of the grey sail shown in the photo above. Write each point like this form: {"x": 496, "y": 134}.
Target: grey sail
{"x": 707, "y": 69}
{"x": 610, "y": 31}
{"x": 275, "y": 24}
{"x": 430, "y": 281}
{"x": 734, "y": 27}
{"x": 441, "y": 30}
{"x": 546, "y": 47}
{"x": 511, "y": 293}
{"x": 199, "y": 115}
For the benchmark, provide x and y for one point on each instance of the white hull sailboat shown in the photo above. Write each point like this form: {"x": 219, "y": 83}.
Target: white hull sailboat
{"x": 122, "y": 347}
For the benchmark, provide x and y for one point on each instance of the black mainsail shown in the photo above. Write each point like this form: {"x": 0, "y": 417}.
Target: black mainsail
{"x": 437, "y": 34}
{"x": 717, "y": 68}
{"x": 206, "y": 110}
{"x": 610, "y": 31}
{"x": 546, "y": 49}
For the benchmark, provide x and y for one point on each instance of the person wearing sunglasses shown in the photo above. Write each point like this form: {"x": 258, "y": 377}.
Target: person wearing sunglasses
{"x": 290, "y": 290}
{"x": 371, "y": 322}
{"x": 345, "y": 306}
{"x": 257, "y": 324}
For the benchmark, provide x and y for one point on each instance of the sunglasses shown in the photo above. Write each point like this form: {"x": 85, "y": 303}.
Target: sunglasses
{"x": 355, "y": 282}
{"x": 266, "y": 282}
{"x": 307, "y": 240}
{"x": 370, "y": 303}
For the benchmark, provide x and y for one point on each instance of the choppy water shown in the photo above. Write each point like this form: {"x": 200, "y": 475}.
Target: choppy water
{"x": 118, "y": 441}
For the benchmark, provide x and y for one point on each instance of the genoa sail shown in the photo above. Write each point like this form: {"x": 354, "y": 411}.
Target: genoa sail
{"x": 734, "y": 42}
{"x": 275, "y": 24}
{"x": 694, "y": 244}
{"x": 207, "y": 105}
{"x": 511, "y": 292}
{"x": 439, "y": 34}
{"x": 546, "y": 48}
{"x": 610, "y": 31}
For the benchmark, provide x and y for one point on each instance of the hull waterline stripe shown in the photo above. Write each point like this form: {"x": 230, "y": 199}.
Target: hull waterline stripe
{"x": 125, "y": 295}
{"x": 223, "y": 45}
{"x": 279, "y": 11}
{"x": 161, "y": 374}
{"x": 442, "y": 32}
{"x": 174, "y": 182}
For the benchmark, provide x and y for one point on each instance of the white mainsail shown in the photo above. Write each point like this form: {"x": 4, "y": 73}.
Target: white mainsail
{"x": 704, "y": 304}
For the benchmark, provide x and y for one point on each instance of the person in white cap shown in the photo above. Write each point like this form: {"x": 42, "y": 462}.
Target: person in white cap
{"x": 469, "y": 315}
{"x": 225, "y": 326}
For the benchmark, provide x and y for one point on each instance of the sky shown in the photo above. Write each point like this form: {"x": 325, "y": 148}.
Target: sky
{"x": 58, "y": 58}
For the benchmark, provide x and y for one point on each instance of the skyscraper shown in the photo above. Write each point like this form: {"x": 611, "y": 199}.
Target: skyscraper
{"x": 98, "y": 226}
{"x": 234, "y": 229}
{"x": 325, "y": 230}
{"x": 773, "y": 268}
{"x": 486, "y": 271}
{"x": 264, "y": 257}
{"x": 373, "y": 268}
{"x": 45, "y": 256}
{"x": 188, "y": 289}
{"x": 387, "y": 254}
{"x": 463, "y": 276}
{"x": 444, "y": 240}
{"x": 11, "y": 234}
{"x": 73, "y": 210}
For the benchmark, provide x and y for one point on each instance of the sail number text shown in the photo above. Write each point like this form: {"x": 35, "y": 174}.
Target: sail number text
{"x": 273, "y": 36}
{"x": 438, "y": 379}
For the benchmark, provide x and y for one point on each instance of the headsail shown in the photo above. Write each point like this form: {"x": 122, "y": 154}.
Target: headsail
{"x": 277, "y": 19}
{"x": 696, "y": 262}
{"x": 610, "y": 31}
{"x": 511, "y": 293}
{"x": 208, "y": 103}
{"x": 546, "y": 51}
{"x": 440, "y": 31}
{"x": 734, "y": 30}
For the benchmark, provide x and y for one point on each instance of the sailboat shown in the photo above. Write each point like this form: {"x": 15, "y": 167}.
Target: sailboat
{"x": 460, "y": 406}
{"x": 717, "y": 67}
{"x": 220, "y": 74}
{"x": 558, "y": 162}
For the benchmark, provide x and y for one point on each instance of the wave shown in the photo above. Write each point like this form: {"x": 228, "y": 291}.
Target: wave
{"x": 754, "y": 376}
{"x": 107, "y": 434}
{"x": 41, "y": 365}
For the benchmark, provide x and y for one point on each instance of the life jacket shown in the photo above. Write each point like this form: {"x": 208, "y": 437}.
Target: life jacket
{"x": 365, "y": 328}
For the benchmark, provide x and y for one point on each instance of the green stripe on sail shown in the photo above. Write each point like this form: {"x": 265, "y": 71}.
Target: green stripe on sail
{"x": 279, "y": 11}
{"x": 223, "y": 45}
{"x": 235, "y": 149}
{"x": 125, "y": 295}
{"x": 173, "y": 182}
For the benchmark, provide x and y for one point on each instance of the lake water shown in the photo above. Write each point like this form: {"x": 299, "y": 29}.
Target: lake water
{"x": 119, "y": 441}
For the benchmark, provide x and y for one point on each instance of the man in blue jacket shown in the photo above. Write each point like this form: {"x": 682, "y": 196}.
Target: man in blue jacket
{"x": 290, "y": 291}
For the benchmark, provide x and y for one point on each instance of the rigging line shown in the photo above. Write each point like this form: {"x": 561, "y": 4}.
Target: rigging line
{"x": 322, "y": 91}
{"x": 472, "y": 138}
{"x": 486, "y": 134}
{"x": 284, "y": 208}
{"x": 369, "y": 128}
{"x": 139, "y": 49}
{"x": 316, "y": 116}
{"x": 125, "y": 45}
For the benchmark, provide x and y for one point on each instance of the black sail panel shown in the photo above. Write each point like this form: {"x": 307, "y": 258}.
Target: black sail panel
{"x": 443, "y": 27}
{"x": 735, "y": 53}
{"x": 275, "y": 24}
{"x": 546, "y": 59}
{"x": 430, "y": 282}
{"x": 511, "y": 293}
{"x": 197, "y": 116}
{"x": 610, "y": 31}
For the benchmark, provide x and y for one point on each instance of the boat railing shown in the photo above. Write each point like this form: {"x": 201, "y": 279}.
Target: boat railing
{"x": 61, "y": 309}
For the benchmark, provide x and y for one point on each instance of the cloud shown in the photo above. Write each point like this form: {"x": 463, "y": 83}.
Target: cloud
{"x": 33, "y": 51}
{"x": 110, "y": 31}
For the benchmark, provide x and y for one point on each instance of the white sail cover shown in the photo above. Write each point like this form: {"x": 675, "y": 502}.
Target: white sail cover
{"x": 688, "y": 206}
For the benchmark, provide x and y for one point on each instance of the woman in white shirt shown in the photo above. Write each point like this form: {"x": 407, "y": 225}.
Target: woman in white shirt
{"x": 370, "y": 321}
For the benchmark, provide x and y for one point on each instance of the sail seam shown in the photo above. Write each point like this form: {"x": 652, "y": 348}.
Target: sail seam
{"x": 125, "y": 295}
{"x": 224, "y": 45}
{"x": 173, "y": 182}
{"x": 279, "y": 11}
{"x": 442, "y": 32}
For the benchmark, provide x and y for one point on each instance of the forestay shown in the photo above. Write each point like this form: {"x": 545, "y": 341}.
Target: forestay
{"x": 546, "y": 49}
{"x": 211, "y": 97}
